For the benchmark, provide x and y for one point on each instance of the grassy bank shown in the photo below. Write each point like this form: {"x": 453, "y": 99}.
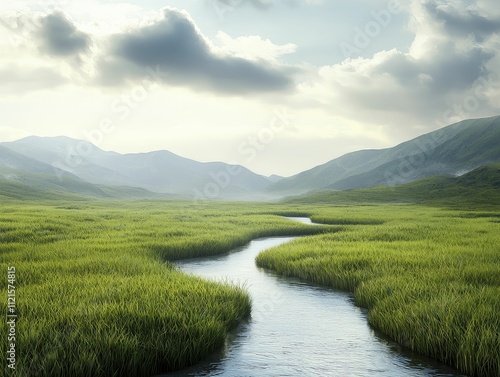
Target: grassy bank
{"x": 94, "y": 294}
{"x": 430, "y": 277}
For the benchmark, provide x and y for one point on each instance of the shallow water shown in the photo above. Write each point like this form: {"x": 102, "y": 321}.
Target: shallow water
{"x": 299, "y": 329}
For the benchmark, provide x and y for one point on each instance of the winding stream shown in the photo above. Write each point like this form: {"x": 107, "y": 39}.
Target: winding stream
{"x": 299, "y": 329}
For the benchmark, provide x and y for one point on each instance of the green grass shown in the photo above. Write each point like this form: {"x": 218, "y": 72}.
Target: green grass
{"x": 430, "y": 277}
{"x": 95, "y": 296}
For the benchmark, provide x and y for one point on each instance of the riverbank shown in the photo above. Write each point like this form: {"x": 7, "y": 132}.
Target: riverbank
{"x": 430, "y": 277}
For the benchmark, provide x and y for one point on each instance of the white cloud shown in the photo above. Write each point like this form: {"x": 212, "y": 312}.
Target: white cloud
{"x": 252, "y": 47}
{"x": 434, "y": 83}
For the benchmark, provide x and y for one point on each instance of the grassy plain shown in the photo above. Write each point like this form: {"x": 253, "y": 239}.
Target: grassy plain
{"x": 96, "y": 298}
{"x": 94, "y": 294}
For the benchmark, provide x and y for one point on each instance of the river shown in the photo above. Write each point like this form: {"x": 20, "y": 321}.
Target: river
{"x": 299, "y": 329}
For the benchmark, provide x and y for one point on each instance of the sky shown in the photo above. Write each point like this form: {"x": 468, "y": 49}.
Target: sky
{"x": 278, "y": 86}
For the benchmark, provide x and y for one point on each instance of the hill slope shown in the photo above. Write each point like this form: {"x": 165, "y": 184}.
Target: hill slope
{"x": 480, "y": 186}
{"x": 10, "y": 161}
{"x": 22, "y": 177}
{"x": 451, "y": 150}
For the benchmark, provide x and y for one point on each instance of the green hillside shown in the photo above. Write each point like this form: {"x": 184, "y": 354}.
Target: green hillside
{"x": 480, "y": 186}
{"x": 22, "y": 185}
{"x": 16, "y": 190}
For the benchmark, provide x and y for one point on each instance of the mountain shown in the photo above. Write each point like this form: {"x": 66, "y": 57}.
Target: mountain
{"x": 480, "y": 186}
{"x": 159, "y": 171}
{"x": 22, "y": 177}
{"x": 275, "y": 178}
{"x": 452, "y": 150}
{"x": 11, "y": 161}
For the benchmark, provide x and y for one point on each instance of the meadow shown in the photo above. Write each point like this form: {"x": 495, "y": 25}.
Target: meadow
{"x": 97, "y": 295}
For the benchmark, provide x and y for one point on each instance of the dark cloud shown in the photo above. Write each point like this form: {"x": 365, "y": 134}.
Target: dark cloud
{"x": 467, "y": 22}
{"x": 174, "y": 46}
{"x": 60, "y": 37}
{"x": 458, "y": 71}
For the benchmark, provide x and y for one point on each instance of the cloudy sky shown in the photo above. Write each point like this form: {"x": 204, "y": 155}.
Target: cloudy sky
{"x": 278, "y": 86}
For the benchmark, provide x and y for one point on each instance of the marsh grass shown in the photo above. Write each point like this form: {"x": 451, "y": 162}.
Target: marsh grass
{"x": 96, "y": 295}
{"x": 430, "y": 277}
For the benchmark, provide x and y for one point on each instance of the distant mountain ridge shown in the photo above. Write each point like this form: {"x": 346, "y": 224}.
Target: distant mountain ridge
{"x": 76, "y": 167}
{"x": 22, "y": 177}
{"x": 451, "y": 150}
{"x": 158, "y": 171}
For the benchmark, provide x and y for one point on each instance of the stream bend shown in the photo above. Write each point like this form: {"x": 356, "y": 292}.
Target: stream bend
{"x": 299, "y": 329}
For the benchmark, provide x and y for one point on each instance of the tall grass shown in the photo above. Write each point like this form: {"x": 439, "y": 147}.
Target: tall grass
{"x": 429, "y": 277}
{"x": 95, "y": 296}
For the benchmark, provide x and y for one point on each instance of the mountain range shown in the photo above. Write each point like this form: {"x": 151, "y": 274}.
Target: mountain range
{"x": 452, "y": 150}
{"x": 68, "y": 167}
{"x": 159, "y": 172}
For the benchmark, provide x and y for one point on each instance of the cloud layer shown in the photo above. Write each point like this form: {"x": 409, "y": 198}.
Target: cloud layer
{"x": 437, "y": 81}
{"x": 170, "y": 43}
{"x": 174, "y": 45}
